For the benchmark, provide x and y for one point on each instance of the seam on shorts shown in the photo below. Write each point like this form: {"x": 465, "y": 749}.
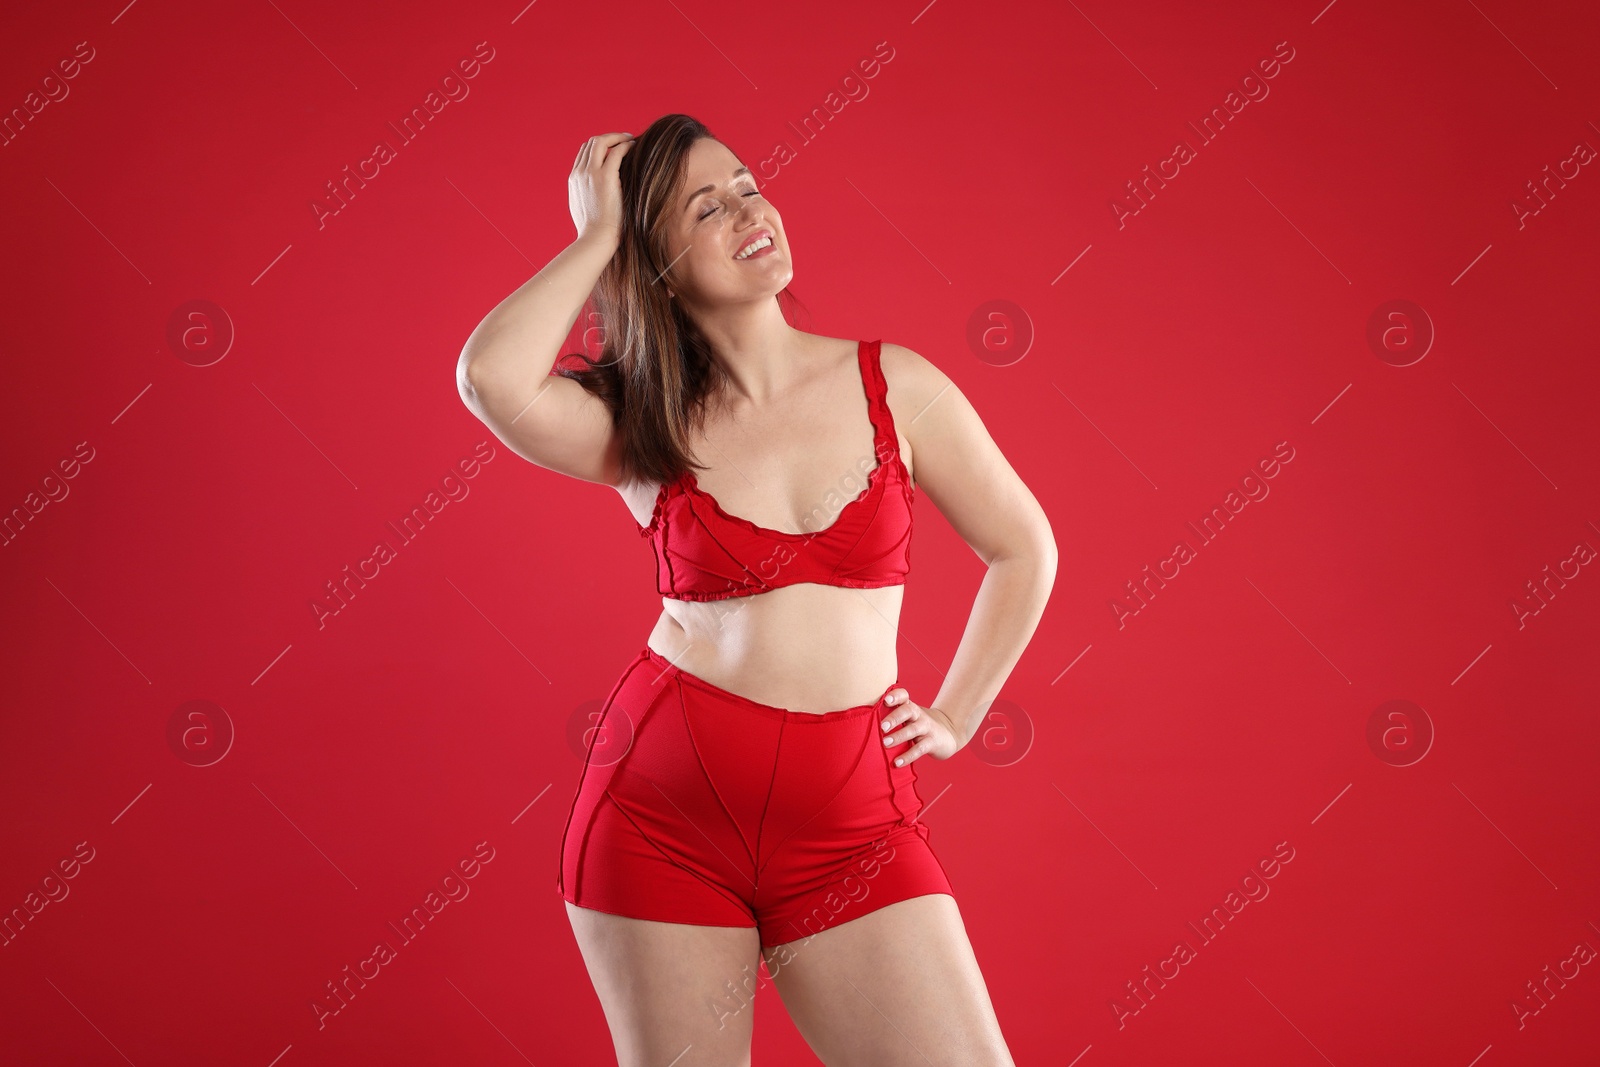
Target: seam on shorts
{"x": 888, "y": 773}
{"x": 755, "y": 861}
{"x": 688, "y": 729}
{"x": 583, "y": 841}
{"x": 726, "y": 892}
{"x": 866, "y": 734}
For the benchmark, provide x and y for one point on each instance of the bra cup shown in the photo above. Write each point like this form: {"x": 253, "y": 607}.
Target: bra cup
{"x": 705, "y": 553}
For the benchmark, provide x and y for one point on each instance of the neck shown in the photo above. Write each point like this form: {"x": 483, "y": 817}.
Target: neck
{"x": 755, "y": 345}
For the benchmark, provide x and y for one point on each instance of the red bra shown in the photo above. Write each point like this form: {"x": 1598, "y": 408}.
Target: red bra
{"x": 703, "y": 553}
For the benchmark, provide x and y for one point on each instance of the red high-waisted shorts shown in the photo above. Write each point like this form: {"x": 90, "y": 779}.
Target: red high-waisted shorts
{"x": 699, "y": 806}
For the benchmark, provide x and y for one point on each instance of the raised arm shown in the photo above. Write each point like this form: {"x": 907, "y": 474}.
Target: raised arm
{"x": 504, "y": 370}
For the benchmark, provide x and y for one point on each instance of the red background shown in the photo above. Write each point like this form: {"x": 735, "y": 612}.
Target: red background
{"x": 372, "y": 753}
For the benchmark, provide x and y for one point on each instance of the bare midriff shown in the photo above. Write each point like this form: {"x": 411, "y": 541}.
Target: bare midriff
{"x": 804, "y": 647}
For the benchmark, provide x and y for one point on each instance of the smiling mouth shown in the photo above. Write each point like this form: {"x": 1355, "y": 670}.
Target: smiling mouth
{"x": 753, "y": 247}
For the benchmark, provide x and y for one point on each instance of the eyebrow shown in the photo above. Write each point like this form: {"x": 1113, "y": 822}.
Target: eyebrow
{"x": 707, "y": 188}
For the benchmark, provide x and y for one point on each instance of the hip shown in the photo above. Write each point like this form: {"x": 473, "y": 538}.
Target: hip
{"x": 672, "y": 743}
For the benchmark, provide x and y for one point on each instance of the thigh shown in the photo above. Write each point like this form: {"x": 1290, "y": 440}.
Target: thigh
{"x": 897, "y": 986}
{"x": 672, "y": 993}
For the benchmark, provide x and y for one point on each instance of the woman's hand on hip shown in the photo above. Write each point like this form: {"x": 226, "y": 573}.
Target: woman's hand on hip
{"x": 935, "y": 734}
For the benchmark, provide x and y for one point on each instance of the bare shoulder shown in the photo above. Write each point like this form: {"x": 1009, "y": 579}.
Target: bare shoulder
{"x": 958, "y": 465}
{"x": 913, "y": 381}
{"x": 914, "y": 386}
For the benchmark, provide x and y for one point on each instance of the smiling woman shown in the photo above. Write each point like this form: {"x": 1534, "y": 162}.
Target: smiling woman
{"x": 771, "y": 749}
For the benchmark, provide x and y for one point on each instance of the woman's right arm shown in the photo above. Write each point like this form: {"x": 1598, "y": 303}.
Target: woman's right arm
{"x": 504, "y": 370}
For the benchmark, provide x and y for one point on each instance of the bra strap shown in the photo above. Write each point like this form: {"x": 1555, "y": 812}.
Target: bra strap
{"x": 877, "y": 388}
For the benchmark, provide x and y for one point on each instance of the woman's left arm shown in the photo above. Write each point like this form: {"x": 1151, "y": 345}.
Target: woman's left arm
{"x": 961, "y": 469}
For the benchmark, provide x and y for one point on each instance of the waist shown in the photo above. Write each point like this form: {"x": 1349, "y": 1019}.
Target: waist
{"x": 803, "y": 652}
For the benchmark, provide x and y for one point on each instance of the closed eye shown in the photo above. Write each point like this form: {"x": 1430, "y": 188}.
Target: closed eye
{"x": 712, "y": 210}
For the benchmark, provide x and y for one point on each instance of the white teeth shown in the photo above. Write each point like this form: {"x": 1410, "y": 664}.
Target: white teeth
{"x": 764, "y": 242}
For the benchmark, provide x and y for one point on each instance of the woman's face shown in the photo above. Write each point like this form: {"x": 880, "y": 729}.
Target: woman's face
{"x": 715, "y": 213}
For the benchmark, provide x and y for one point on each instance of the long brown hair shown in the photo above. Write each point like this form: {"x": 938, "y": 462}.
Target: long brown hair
{"x": 655, "y": 369}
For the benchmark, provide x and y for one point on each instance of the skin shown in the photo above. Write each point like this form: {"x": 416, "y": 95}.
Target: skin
{"x": 899, "y": 985}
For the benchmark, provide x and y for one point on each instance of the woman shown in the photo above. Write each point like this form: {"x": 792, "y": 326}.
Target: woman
{"x": 750, "y": 793}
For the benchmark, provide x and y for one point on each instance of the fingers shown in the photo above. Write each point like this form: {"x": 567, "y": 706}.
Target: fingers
{"x": 600, "y": 147}
{"x": 901, "y": 707}
{"x": 907, "y": 722}
{"x": 919, "y": 727}
{"x": 923, "y": 746}
{"x": 614, "y": 155}
{"x": 587, "y": 154}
